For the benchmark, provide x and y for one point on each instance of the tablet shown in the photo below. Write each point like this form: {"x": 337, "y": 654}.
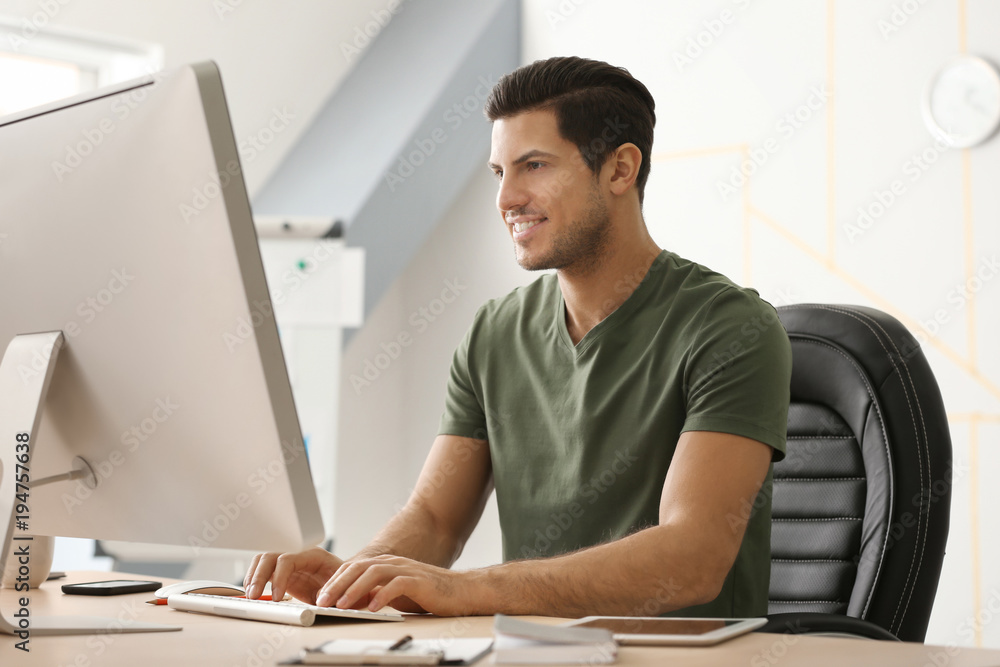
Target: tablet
{"x": 659, "y": 631}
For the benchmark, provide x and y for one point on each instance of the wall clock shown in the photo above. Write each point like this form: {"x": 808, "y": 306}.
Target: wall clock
{"x": 962, "y": 102}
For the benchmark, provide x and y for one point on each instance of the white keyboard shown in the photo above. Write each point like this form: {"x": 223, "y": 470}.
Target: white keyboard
{"x": 289, "y": 613}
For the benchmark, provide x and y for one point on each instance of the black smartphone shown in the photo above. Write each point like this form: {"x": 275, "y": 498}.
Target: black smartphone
{"x": 114, "y": 587}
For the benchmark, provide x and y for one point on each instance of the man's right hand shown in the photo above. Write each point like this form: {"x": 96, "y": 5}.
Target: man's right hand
{"x": 300, "y": 574}
{"x": 439, "y": 517}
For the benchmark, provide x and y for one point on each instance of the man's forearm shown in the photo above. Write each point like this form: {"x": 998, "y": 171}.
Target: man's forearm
{"x": 413, "y": 533}
{"x": 681, "y": 562}
{"x": 443, "y": 508}
{"x": 646, "y": 573}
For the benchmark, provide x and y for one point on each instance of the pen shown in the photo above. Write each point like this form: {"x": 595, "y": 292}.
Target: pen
{"x": 402, "y": 643}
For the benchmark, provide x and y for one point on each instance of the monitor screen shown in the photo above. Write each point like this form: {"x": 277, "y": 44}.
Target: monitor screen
{"x": 125, "y": 225}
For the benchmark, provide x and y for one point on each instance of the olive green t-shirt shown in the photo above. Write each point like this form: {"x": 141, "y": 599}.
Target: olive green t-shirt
{"x": 581, "y": 436}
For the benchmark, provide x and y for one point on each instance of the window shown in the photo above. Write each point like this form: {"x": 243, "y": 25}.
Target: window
{"x": 40, "y": 64}
{"x": 28, "y": 82}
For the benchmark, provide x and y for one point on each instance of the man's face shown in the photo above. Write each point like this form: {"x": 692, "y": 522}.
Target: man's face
{"x": 551, "y": 202}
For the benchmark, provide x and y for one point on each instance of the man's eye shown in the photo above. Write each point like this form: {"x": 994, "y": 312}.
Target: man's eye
{"x": 498, "y": 174}
{"x": 534, "y": 165}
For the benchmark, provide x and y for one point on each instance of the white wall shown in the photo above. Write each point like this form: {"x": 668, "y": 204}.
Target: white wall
{"x": 286, "y": 55}
{"x": 784, "y": 233}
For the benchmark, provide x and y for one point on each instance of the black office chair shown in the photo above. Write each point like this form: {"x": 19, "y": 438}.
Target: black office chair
{"x": 861, "y": 502}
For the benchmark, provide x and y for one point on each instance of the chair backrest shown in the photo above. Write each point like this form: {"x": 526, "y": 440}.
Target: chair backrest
{"x": 861, "y": 502}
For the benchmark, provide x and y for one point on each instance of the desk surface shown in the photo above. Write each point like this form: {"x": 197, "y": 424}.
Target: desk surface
{"x": 211, "y": 640}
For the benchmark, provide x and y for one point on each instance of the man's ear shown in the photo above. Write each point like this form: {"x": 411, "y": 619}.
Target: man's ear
{"x": 624, "y": 165}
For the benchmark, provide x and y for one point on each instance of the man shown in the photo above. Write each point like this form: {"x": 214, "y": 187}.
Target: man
{"x": 626, "y": 409}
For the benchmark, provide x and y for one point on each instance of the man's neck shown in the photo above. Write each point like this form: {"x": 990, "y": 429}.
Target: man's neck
{"x": 593, "y": 293}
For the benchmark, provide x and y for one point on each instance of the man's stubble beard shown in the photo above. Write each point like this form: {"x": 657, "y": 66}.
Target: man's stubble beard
{"x": 578, "y": 249}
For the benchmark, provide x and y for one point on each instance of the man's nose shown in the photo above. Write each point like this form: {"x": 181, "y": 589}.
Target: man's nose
{"x": 511, "y": 195}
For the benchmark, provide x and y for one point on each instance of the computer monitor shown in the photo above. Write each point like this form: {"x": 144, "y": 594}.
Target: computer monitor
{"x": 127, "y": 245}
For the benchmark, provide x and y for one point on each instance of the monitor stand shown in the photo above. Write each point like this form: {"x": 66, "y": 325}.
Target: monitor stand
{"x": 25, "y": 374}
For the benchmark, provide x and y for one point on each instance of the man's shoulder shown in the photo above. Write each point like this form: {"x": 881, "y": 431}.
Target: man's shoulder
{"x": 707, "y": 294}
{"x": 688, "y": 276}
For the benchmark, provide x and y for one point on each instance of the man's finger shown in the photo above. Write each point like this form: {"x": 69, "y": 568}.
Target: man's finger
{"x": 334, "y": 589}
{"x": 265, "y": 566}
{"x": 250, "y": 570}
{"x": 375, "y": 576}
{"x": 399, "y": 587}
{"x": 283, "y": 569}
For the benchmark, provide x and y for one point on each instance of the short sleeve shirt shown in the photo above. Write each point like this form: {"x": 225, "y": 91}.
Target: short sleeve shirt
{"x": 581, "y": 436}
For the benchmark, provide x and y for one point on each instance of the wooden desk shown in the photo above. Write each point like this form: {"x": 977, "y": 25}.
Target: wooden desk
{"x": 211, "y": 640}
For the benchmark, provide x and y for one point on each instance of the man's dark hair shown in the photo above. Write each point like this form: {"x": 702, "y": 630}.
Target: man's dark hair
{"x": 598, "y": 106}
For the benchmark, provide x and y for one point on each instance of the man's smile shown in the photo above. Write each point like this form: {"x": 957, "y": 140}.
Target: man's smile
{"x": 522, "y": 227}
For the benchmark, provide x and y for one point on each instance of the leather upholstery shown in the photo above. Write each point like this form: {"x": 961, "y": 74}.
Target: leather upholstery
{"x": 825, "y": 624}
{"x": 861, "y": 502}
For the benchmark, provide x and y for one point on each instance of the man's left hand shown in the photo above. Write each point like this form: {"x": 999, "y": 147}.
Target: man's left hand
{"x": 403, "y": 584}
